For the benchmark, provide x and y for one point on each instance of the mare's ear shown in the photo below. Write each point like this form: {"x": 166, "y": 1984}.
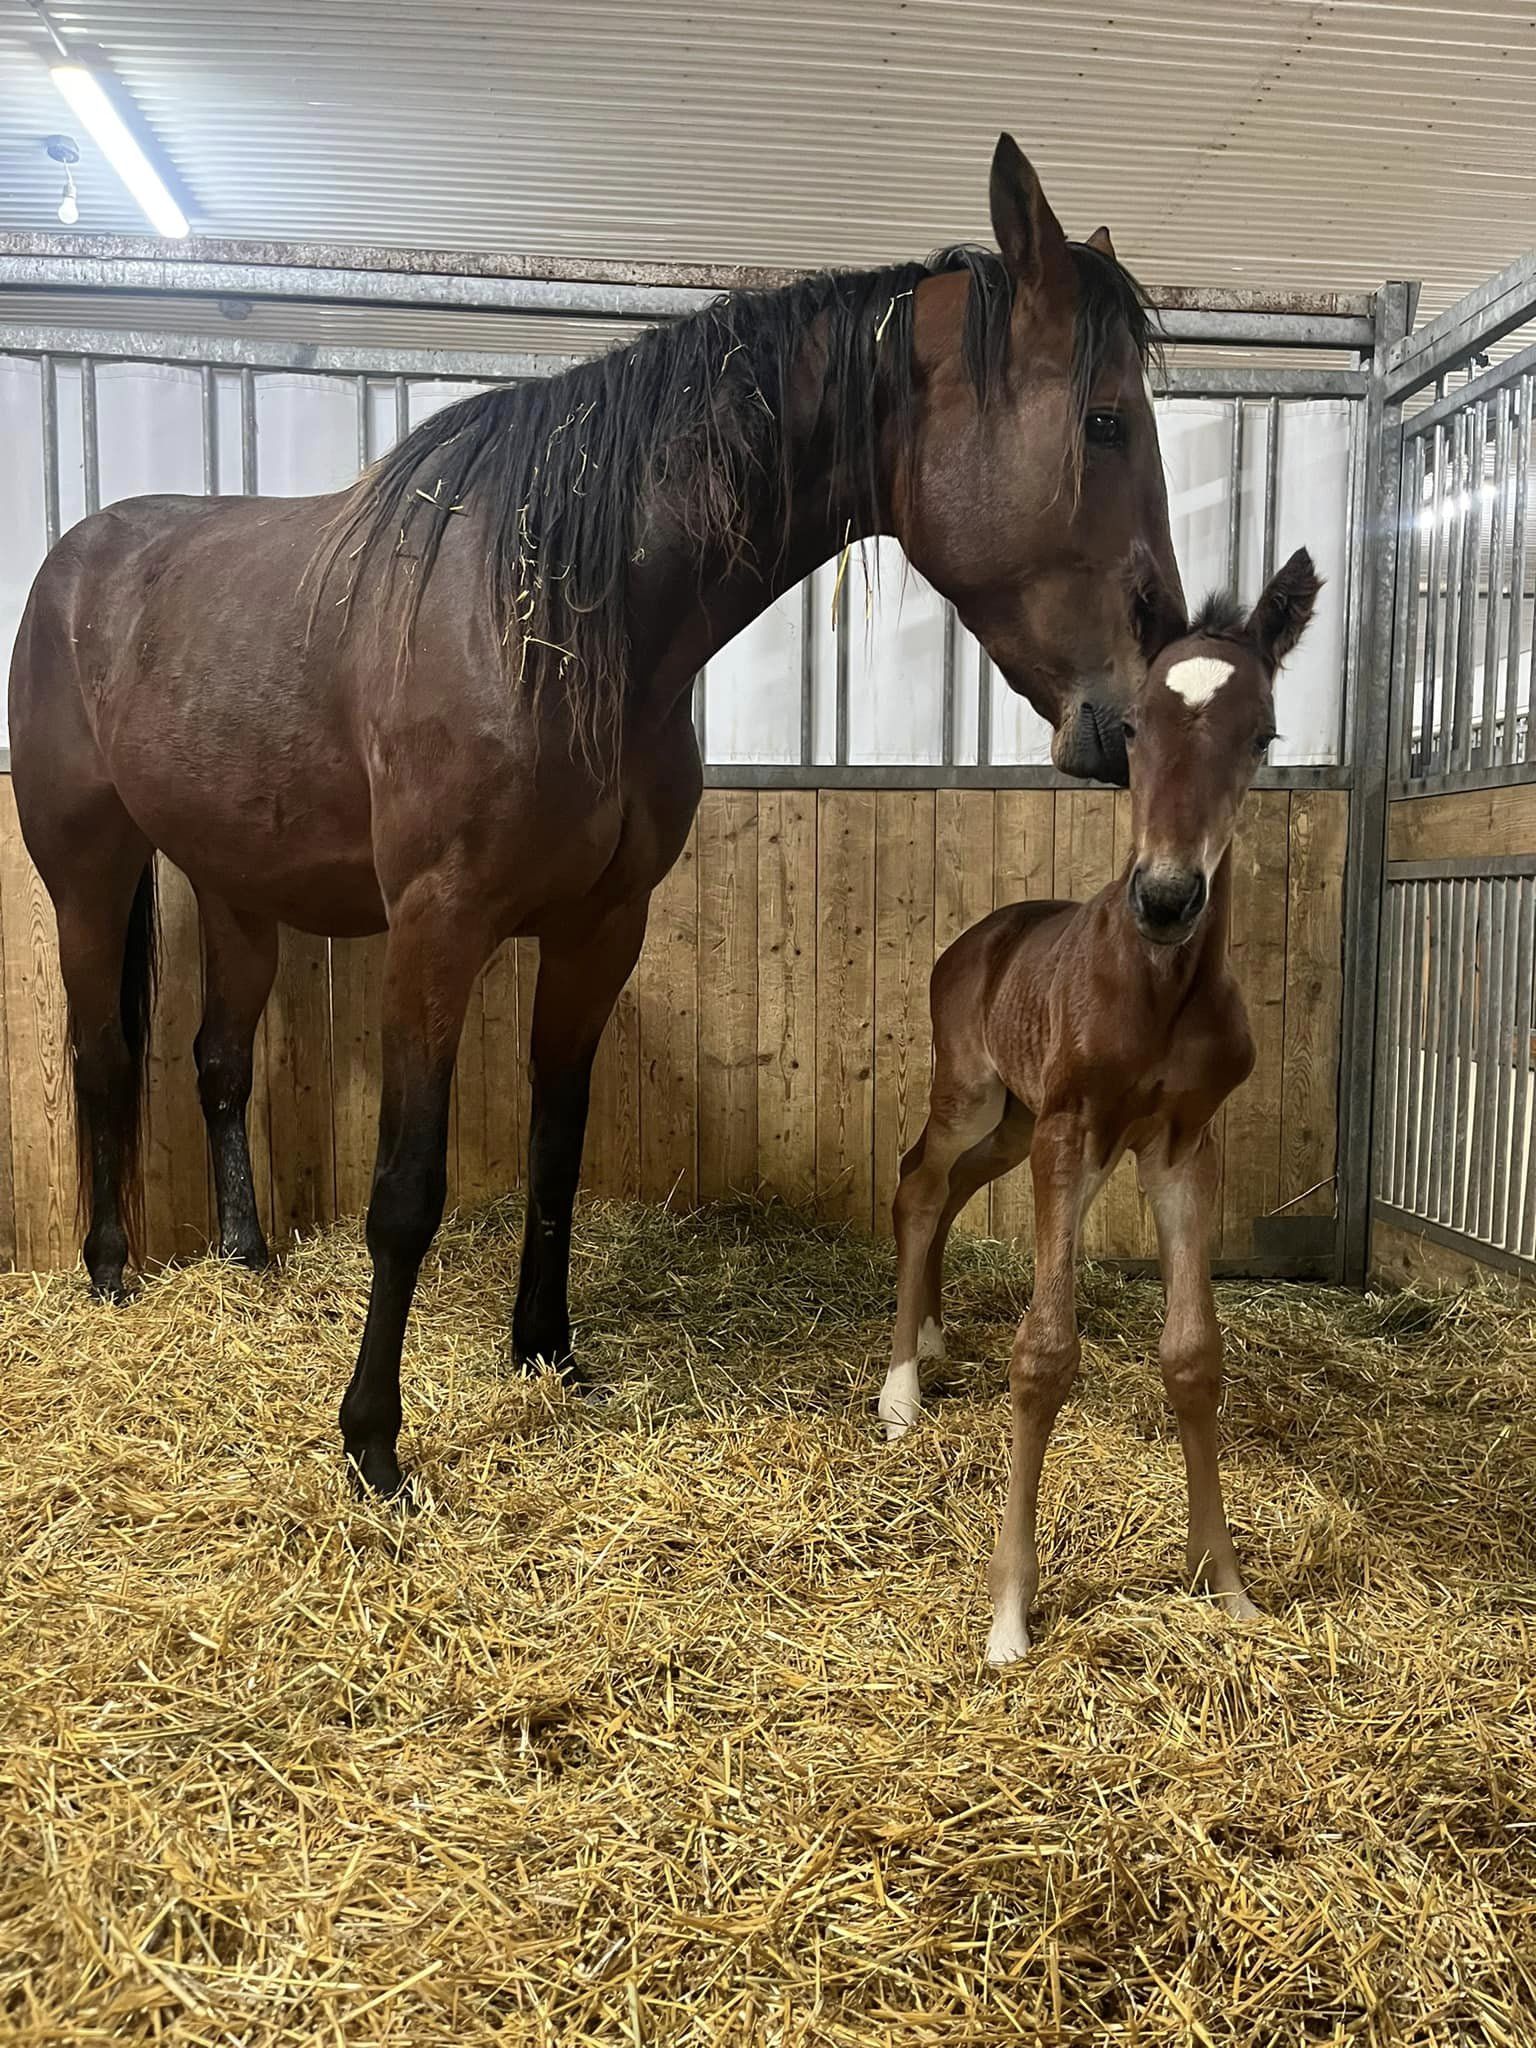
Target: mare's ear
{"x": 1281, "y": 615}
{"x": 1099, "y": 240}
{"x": 1158, "y": 617}
{"x": 1028, "y": 233}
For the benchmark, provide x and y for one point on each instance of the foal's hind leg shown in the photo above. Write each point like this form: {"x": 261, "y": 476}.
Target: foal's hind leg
{"x": 964, "y": 1111}
{"x": 1183, "y": 1197}
{"x": 241, "y": 960}
{"x": 974, "y": 1170}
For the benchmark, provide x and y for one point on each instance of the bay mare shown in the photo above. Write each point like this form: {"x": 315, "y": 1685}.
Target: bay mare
{"x": 452, "y": 701}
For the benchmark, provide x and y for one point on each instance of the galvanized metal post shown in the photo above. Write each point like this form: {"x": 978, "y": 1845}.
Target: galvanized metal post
{"x": 1371, "y": 754}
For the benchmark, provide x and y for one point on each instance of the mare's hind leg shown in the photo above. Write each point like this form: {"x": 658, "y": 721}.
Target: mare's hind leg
{"x": 241, "y": 960}
{"x": 95, "y": 863}
{"x": 965, "y": 1108}
{"x": 1183, "y": 1196}
{"x": 577, "y": 989}
{"x": 436, "y": 949}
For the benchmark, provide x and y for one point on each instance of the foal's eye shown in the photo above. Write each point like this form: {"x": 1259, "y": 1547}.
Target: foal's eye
{"x": 1105, "y": 430}
{"x": 1128, "y": 730}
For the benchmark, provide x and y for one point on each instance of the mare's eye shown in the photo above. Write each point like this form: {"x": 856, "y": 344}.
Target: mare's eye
{"x": 1264, "y": 742}
{"x": 1105, "y": 430}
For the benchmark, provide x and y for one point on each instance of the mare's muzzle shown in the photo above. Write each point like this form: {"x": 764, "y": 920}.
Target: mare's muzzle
{"x": 1091, "y": 744}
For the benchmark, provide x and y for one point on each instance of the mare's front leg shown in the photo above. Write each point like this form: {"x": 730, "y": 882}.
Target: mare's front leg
{"x": 1183, "y": 1197}
{"x": 577, "y": 989}
{"x": 437, "y": 945}
{"x": 1040, "y": 1374}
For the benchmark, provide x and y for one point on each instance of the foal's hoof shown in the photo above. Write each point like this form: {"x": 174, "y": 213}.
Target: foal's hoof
{"x": 376, "y": 1475}
{"x": 1007, "y": 1644}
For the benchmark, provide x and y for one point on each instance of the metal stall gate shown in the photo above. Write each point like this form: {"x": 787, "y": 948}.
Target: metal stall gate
{"x": 1456, "y": 1037}
{"x": 1274, "y": 426}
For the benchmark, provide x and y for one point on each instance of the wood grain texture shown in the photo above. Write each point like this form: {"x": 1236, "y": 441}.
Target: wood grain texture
{"x": 1024, "y": 871}
{"x": 177, "y": 1182}
{"x": 41, "y": 1102}
{"x": 1314, "y": 998}
{"x": 667, "y": 982}
{"x": 786, "y": 992}
{"x": 357, "y": 1005}
{"x": 904, "y": 881}
{"x": 299, "y": 1104}
{"x": 487, "y": 1125}
{"x": 964, "y": 831}
{"x": 845, "y": 1009}
{"x": 1251, "y": 1159}
{"x": 727, "y": 831}
{"x": 1472, "y": 822}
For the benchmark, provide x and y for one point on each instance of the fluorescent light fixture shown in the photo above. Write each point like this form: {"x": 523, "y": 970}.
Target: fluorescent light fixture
{"x": 96, "y": 113}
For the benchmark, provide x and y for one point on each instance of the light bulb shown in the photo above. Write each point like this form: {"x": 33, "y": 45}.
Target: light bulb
{"x": 69, "y": 204}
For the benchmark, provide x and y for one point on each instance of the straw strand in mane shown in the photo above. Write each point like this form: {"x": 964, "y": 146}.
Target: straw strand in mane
{"x": 689, "y": 418}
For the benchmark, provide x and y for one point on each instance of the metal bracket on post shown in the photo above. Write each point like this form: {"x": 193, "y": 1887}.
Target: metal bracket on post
{"x": 1370, "y": 754}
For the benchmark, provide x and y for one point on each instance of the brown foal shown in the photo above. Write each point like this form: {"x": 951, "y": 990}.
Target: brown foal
{"x": 1070, "y": 1032}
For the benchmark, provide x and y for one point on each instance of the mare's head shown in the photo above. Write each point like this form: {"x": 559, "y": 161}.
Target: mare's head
{"x": 1033, "y": 486}
{"x": 1196, "y": 735}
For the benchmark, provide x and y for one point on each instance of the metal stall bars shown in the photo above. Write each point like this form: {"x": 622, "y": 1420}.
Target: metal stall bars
{"x": 1455, "y": 1153}
{"x": 438, "y": 286}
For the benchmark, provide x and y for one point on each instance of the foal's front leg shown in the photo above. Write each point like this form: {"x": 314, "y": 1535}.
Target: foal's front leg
{"x": 1183, "y": 1196}
{"x": 1040, "y": 1375}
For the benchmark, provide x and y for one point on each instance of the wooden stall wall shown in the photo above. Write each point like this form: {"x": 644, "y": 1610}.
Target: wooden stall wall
{"x": 774, "y": 1035}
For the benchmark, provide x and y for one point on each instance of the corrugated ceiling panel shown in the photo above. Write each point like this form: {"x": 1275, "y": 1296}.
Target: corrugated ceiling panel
{"x": 1307, "y": 142}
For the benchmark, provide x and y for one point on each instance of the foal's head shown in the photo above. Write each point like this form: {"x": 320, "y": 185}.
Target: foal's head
{"x": 1196, "y": 735}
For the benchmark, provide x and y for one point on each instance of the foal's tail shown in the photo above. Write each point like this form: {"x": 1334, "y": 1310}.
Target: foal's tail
{"x": 117, "y": 1115}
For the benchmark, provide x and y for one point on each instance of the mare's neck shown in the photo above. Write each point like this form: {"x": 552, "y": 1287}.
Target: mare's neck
{"x": 683, "y": 610}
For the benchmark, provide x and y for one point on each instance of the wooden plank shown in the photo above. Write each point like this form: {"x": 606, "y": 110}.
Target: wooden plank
{"x": 669, "y": 1037}
{"x": 357, "y": 1003}
{"x": 1314, "y": 998}
{"x": 845, "y": 1009}
{"x": 1474, "y": 821}
{"x": 177, "y": 1184}
{"x": 1122, "y": 1224}
{"x": 486, "y": 1123}
{"x": 727, "y": 830}
{"x": 41, "y": 1105}
{"x": 1024, "y": 865}
{"x": 787, "y": 993}
{"x": 1251, "y": 1176}
{"x": 299, "y": 1108}
{"x": 904, "y": 883}
{"x": 8, "y": 828}
{"x": 611, "y": 1162}
{"x": 964, "y": 836}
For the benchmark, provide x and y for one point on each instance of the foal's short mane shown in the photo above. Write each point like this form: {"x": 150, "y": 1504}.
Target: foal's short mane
{"x": 1222, "y": 616}
{"x": 684, "y": 428}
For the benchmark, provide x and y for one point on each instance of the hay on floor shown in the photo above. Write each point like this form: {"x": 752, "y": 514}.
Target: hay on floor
{"x": 665, "y": 1721}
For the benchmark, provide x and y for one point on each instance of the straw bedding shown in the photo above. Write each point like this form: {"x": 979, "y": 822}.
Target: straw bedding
{"x": 664, "y": 1719}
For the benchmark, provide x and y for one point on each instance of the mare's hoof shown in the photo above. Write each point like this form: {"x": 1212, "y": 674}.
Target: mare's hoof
{"x": 111, "y": 1288}
{"x": 376, "y": 1475}
{"x": 253, "y": 1255}
{"x": 572, "y": 1378}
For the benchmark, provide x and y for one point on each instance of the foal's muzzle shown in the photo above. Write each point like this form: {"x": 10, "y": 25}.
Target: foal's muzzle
{"x": 1166, "y": 902}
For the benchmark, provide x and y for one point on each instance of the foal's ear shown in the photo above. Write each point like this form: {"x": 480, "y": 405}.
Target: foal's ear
{"x": 1280, "y": 617}
{"x": 1099, "y": 240}
{"x": 1028, "y": 233}
{"x": 1158, "y": 617}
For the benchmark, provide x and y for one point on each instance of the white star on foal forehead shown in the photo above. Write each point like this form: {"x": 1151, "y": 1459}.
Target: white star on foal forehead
{"x": 1198, "y": 678}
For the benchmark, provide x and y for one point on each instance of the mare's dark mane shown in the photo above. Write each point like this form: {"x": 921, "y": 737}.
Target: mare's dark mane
{"x": 688, "y": 423}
